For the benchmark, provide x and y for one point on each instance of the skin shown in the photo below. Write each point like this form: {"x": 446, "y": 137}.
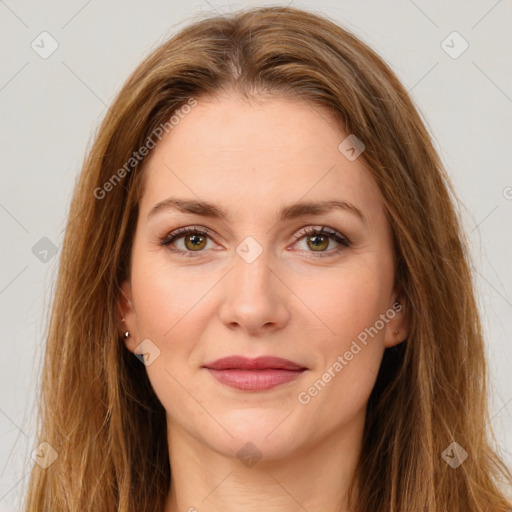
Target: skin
{"x": 251, "y": 159}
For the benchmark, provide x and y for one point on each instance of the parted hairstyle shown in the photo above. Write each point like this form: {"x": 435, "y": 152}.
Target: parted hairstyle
{"x": 96, "y": 406}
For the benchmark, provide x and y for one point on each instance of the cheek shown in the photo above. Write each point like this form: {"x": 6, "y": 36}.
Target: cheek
{"x": 158, "y": 307}
{"x": 341, "y": 383}
{"x": 169, "y": 314}
{"x": 344, "y": 303}
{"x": 350, "y": 350}
{"x": 165, "y": 297}
{"x": 172, "y": 311}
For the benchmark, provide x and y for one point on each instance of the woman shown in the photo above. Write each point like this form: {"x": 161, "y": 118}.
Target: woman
{"x": 264, "y": 298}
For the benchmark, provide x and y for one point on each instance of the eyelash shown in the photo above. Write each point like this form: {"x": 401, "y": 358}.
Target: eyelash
{"x": 324, "y": 231}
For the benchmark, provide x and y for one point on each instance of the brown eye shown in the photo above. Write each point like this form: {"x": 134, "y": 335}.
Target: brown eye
{"x": 317, "y": 240}
{"x": 320, "y": 242}
{"x": 194, "y": 242}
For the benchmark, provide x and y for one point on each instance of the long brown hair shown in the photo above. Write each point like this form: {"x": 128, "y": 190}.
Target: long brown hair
{"x": 97, "y": 408}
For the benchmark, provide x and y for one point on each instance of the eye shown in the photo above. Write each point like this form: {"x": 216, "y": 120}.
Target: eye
{"x": 194, "y": 240}
{"x": 318, "y": 240}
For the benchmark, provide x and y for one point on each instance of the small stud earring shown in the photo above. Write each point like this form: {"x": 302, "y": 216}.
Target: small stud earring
{"x": 396, "y": 332}
{"x": 126, "y": 334}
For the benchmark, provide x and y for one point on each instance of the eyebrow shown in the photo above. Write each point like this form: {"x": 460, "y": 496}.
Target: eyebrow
{"x": 294, "y": 211}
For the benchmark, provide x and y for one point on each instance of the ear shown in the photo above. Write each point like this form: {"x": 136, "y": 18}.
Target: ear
{"x": 127, "y": 318}
{"x": 397, "y": 327}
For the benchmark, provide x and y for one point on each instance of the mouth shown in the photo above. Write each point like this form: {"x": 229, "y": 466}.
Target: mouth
{"x": 258, "y": 363}
{"x": 257, "y": 374}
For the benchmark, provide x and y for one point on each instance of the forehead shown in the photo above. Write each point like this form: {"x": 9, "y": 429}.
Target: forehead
{"x": 246, "y": 155}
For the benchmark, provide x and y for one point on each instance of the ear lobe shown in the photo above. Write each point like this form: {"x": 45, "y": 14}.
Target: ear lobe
{"x": 397, "y": 328}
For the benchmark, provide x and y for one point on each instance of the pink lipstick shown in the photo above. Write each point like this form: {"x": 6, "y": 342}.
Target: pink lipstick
{"x": 257, "y": 374}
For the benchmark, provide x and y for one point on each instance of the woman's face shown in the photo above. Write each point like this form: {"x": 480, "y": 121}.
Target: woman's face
{"x": 260, "y": 283}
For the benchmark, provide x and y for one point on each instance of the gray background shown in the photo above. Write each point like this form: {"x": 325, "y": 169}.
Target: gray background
{"x": 51, "y": 107}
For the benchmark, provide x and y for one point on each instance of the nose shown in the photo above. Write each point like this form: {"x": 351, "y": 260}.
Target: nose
{"x": 255, "y": 298}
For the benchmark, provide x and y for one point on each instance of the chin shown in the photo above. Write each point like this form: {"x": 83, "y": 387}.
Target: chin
{"x": 256, "y": 435}
{"x": 253, "y": 448}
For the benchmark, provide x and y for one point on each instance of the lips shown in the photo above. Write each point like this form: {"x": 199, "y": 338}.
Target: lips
{"x": 259, "y": 363}
{"x": 260, "y": 374}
